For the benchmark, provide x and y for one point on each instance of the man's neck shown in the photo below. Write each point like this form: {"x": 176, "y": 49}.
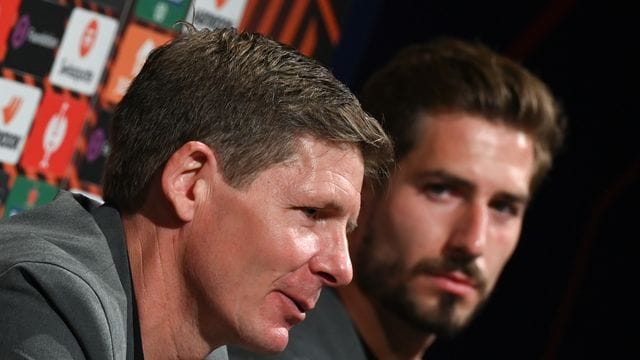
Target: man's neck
{"x": 165, "y": 328}
{"x": 386, "y": 335}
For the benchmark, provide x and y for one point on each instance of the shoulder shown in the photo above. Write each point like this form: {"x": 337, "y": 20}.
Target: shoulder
{"x": 58, "y": 283}
{"x": 62, "y": 233}
{"x": 48, "y": 310}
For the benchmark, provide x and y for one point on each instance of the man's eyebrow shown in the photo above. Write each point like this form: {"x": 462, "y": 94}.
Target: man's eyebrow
{"x": 514, "y": 198}
{"x": 459, "y": 182}
{"x": 447, "y": 177}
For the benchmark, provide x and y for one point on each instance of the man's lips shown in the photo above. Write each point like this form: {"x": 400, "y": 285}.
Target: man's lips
{"x": 453, "y": 276}
{"x": 303, "y": 303}
{"x": 455, "y": 282}
{"x": 298, "y": 305}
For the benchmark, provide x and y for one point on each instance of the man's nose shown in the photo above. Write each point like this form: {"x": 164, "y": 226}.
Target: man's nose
{"x": 332, "y": 263}
{"x": 469, "y": 234}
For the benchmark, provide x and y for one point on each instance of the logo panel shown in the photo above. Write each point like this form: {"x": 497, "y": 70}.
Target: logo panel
{"x": 18, "y": 104}
{"x": 85, "y": 47}
{"x": 218, "y": 13}
{"x": 27, "y": 194}
{"x": 56, "y": 128}
{"x": 35, "y": 36}
{"x": 8, "y": 17}
{"x": 90, "y": 167}
{"x": 162, "y": 12}
{"x": 115, "y": 5}
{"x": 133, "y": 50}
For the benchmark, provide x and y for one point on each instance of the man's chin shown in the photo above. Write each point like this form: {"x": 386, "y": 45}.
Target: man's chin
{"x": 442, "y": 315}
{"x": 272, "y": 343}
{"x": 449, "y": 322}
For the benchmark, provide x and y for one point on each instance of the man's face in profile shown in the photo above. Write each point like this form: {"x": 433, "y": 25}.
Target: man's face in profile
{"x": 264, "y": 252}
{"x": 451, "y": 218}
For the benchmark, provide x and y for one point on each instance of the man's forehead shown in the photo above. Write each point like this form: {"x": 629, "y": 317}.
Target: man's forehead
{"x": 470, "y": 147}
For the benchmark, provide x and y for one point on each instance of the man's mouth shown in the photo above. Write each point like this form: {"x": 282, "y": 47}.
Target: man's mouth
{"x": 300, "y": 302}
{"x": 460, "y": 279}
{"x": 455, "y": 282}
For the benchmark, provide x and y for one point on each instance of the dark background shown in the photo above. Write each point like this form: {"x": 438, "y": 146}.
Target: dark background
{"x": 568, "y": 292}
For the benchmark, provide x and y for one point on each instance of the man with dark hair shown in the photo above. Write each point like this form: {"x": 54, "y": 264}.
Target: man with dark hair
{"x": 474, "y": 134}
{"x": 234, "y": 176}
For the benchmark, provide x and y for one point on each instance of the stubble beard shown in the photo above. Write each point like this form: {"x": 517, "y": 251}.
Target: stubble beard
{"x": 385, "y": 280}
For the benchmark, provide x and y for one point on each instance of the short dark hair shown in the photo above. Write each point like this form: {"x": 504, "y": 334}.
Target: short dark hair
{"x": 451, "y": 75}
{"x": 246, "y": 96}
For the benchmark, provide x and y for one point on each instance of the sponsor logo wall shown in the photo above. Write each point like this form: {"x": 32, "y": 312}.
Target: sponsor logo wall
{"x": 64, "y": 66}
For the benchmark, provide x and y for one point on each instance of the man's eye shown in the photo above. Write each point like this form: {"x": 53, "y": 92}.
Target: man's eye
{"x": 506, "y": 207}
{"x": 310, "y": 212}
{"x": 437, "y": 190}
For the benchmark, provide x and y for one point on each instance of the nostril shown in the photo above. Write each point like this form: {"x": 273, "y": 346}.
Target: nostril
{"x": 330, "y": 279}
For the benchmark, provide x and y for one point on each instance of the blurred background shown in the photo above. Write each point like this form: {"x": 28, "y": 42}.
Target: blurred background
{"x": 568, "y": 292}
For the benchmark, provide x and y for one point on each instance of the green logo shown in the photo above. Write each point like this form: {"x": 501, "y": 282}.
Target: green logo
{"x": 27, "y": 194}
{"x": 162, "y": 12}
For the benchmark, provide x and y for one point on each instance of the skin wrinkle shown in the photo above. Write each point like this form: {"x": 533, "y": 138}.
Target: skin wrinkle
{"x": 174, "y": 327}
{"x": 338, "y": 183}
{"x": 163, "y": 270}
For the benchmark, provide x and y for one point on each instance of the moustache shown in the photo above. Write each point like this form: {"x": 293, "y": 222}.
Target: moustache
{"x": 446, "y": 266}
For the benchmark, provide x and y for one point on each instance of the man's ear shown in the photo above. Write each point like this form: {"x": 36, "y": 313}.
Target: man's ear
{"x": 186, "y": 176}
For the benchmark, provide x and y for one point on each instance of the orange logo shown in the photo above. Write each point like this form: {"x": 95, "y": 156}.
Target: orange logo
{"x": 220, "y": 3}
{"x": 134, "y": 48}
{"x": 88, "y": 38}
{"x": 10, "y": 110}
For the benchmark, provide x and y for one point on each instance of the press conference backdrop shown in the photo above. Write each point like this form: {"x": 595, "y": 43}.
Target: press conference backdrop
{"x": 65, "y": 64}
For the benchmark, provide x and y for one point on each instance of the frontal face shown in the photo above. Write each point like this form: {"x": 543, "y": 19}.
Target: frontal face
{"x": 439, "y": 238}
{"x": 266, "y": 251}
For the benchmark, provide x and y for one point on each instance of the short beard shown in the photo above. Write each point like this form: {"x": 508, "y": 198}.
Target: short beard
{"x": 441, "y": 322}
{"x": 384, "y": 280}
